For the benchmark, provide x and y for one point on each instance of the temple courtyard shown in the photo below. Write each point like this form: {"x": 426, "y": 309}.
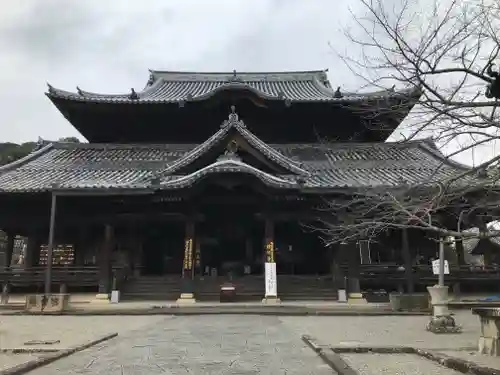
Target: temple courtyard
{"x": 230, "y": 344}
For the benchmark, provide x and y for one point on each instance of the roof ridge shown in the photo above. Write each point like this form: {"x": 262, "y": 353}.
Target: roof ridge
{"x": 429, "y": 146}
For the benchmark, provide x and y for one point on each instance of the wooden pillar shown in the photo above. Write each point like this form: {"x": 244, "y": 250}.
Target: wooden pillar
{"x": 353, "y": 274}
{"x": 81, "y": 246}
{"x": 32, "y": 256}
{"x": 408, "y": 264}
{"x": 197, "y": 257}
{"x": 9, "y": 250}
{"x": 104, "y": 264}
{"x": 187, "y": 285}
{"x": 271, "y": 286}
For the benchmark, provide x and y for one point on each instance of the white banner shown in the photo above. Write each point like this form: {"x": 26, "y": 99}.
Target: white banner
{"x": 435, "y": 267}
{"x": 271, "y": 280}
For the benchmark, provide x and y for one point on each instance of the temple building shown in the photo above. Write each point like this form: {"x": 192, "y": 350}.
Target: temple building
{"x": 208, "y": 177}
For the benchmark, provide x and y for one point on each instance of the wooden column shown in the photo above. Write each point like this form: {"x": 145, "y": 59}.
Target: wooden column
{"x": 197, "y": 257}
{"x": 271, "y": 286}
{"x": 81, "y": 247}
{"x": 408, "y": 264}
{"x": 353, "y": 271}
{"x": 269, "y": 240}
{"x": 187, "y": 285}
{"x": 9, "y": 250}
{"x": 104, "y": 264}
{"x": 32, "y": 255}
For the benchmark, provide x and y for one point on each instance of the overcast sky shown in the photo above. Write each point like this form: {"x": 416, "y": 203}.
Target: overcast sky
{"x": 108, "y": 46}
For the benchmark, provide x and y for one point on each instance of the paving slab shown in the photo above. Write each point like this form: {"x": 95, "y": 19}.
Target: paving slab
{"x": 392, "y": 364}
{"x": 201, "y": 345}
{"x": 69, "y": 331}
{"x": 385, "y": 331}
{"x": 476, "y": 357}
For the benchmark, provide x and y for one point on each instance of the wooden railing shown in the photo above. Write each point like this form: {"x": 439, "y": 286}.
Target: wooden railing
{"x": 69, "y": 275}
{"x": 423, "y": 273}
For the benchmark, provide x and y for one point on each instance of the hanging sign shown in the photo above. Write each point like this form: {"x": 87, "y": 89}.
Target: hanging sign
{"x": 270, "y": 252}
{"x": 435, "y": 267}
{"x": 271, "y": 280}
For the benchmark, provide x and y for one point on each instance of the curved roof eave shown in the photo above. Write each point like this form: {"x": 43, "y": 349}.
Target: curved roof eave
{"x": 227, "y": 166}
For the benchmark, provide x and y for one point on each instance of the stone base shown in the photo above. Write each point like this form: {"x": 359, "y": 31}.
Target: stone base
{"x": 52, "y": 303}
{"x": 356, "y": 299}
{"x": 489, "y": 346}
{"x": 186, "y": 298}
{"x": 101, "y": 298}
{"x": 443, "y": 324}
{"x": 271, "y": 300}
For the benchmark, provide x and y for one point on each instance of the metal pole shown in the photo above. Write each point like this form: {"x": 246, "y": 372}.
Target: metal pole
{"x": 50, "y": 246}
{"x": 441, "y": 262}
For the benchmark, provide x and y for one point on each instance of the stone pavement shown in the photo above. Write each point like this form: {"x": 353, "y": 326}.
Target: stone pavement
{"x": 385, "y": 331}
{"x": 236, "y": 344}
{"x": 70, "y": 331}
{"x": 198, "y": 345}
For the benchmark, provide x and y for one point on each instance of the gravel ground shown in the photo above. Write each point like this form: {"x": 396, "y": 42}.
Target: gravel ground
{"x": 395, "y": 364}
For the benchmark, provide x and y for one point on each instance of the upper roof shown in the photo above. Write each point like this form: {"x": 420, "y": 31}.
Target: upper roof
{"x": 179, "y": 87}
{"x": 305, "y": 167}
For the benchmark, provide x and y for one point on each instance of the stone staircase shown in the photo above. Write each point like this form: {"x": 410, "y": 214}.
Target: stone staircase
{"x": 152, "y": 288}
{"x": 248, "y": 288}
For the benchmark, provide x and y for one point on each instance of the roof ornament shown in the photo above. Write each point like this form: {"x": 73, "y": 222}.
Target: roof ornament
{"x": 150, "y": 80}
{"x": 235, "y": 77}
{"x": 40, "y": 143}
{"x": 133, "y": 95}
{"x": 338, "y": 94}
{"x": 79, "y": 90}
{"x": 233, "y": 119}
{"x": 51, "y": 88}
{"x": 231, "y": 152}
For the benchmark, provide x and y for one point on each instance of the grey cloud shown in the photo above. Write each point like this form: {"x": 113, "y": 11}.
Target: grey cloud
{"x": 107, "y": 46}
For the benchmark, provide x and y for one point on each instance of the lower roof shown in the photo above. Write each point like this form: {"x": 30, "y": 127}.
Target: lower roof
{"x": 130, "y": 166}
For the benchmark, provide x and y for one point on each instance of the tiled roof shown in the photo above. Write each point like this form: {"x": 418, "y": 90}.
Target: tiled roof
{"x": 233, "y": 122}
{"x": 179, "y": 87}
{"x": 336, "y": 165}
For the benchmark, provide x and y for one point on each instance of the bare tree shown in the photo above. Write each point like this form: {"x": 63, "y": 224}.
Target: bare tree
{"x": 445, "y": 50}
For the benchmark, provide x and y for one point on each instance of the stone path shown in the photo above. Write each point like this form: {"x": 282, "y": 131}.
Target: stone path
{"x": 234, "y": 344}
{"x": 198, "y": 345}
{"x": 385, "y": 331}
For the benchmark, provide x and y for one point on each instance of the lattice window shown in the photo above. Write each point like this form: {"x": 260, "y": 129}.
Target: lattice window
{"x": 62, "y": 255}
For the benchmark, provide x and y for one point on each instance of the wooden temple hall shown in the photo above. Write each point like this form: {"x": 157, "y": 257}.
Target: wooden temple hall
{"x": 206, "y": 177}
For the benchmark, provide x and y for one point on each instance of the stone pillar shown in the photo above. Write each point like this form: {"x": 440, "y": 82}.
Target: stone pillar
{"x": 441, "y": 321}
{"x": 104, "y": 265}
{"x": 353, "y": 273}
{"x": 187, "y": 285}
{"x": 271, "y": 279}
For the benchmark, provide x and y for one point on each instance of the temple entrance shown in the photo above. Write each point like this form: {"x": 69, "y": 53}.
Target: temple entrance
{"x": 162, "y": 248}
{"x": 231, "y": 245}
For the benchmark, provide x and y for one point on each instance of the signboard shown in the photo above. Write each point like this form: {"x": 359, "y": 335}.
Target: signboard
{"x": 271, "y": 280}
{"x": 435, "y": 267}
